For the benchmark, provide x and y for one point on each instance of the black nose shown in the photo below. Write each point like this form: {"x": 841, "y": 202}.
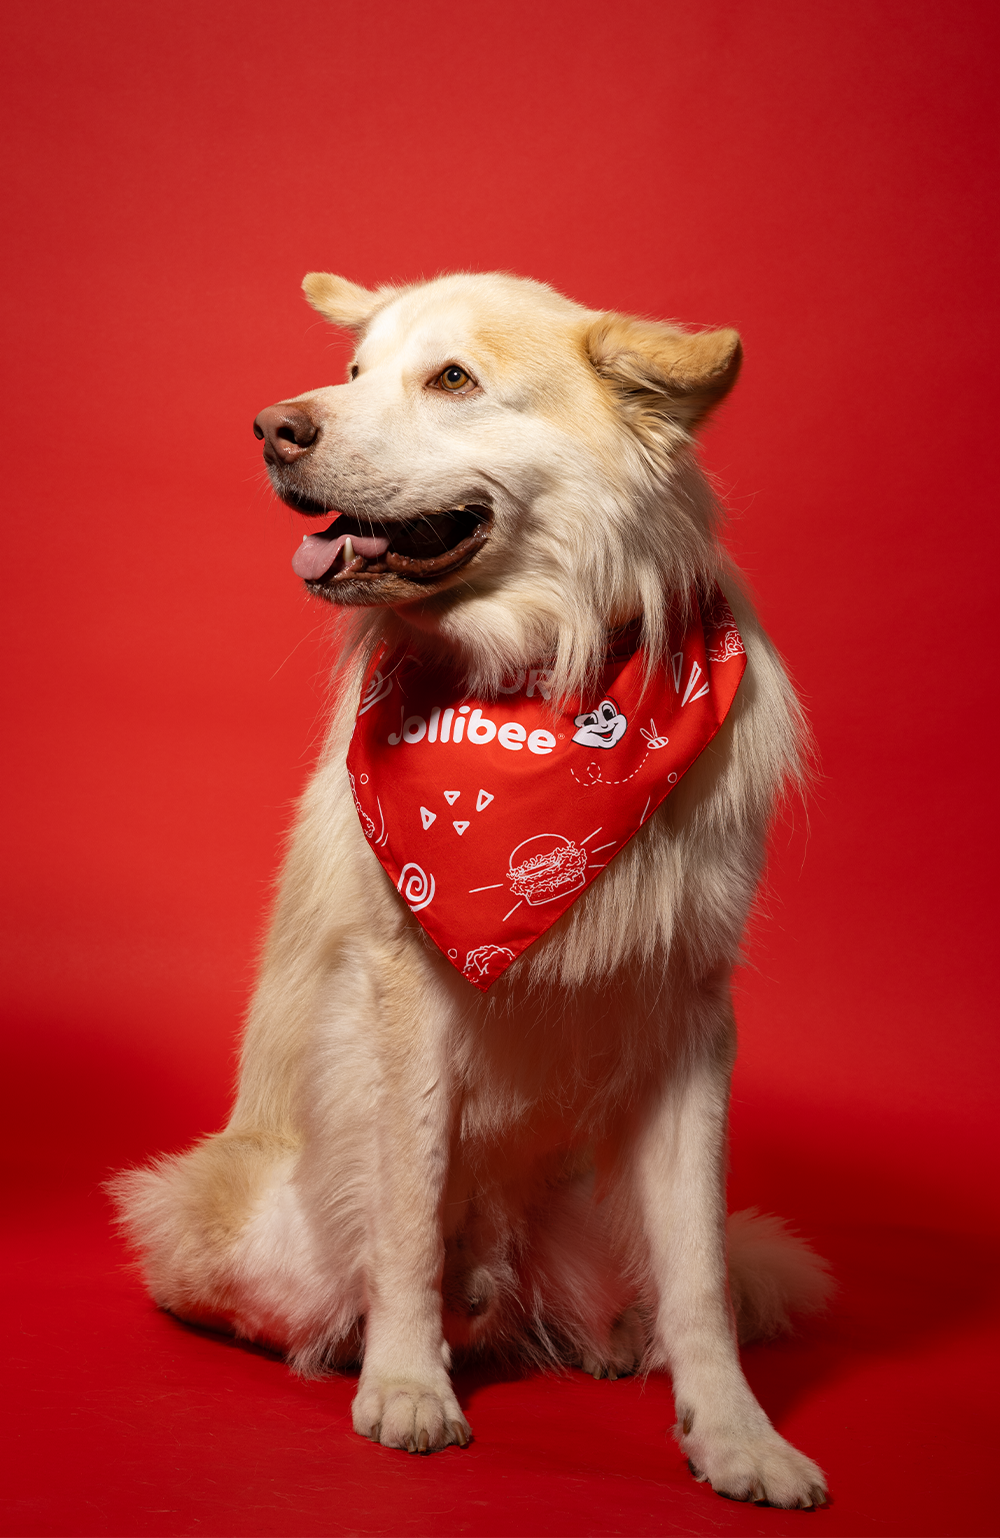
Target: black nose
{"x": 287, "y": 433}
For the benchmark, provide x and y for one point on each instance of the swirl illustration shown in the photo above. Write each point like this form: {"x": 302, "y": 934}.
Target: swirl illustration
{"x": 419, "y": 888}
{"x": 378, "y": 688}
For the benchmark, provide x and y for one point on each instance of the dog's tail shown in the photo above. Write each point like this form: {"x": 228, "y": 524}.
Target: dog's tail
{"x": 773, "y": 1274}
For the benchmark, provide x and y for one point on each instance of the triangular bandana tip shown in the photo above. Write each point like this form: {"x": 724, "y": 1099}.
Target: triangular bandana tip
{"x": 567, "y": 789}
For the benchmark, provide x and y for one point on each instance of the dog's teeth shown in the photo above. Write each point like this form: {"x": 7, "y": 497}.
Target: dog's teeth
{"x": 348, "y": 551}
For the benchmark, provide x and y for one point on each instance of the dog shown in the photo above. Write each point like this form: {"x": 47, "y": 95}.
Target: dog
{"x": 519, "y": 1148}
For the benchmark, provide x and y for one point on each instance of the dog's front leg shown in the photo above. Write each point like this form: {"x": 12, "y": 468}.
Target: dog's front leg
{"x": 681, "y": 1185}
{"x": 405, "y": 1398}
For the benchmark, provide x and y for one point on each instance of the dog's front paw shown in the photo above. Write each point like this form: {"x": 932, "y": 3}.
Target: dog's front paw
{"x": 418, "y": 1417}
{"x": 765, "y": 1469}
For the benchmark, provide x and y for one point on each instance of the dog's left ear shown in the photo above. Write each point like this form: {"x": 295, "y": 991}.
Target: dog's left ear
{"x": 659, "y": 371}
{"x": 344, "y": 303}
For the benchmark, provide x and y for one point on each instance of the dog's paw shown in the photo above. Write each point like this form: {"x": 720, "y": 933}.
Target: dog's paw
{"x": 622, "y": 1354}
{"x": 764, "y": 1469}
{"x": 418, "y": 1417}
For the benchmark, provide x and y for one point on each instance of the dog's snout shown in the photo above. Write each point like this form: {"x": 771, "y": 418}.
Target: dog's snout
{"x": 287, "y": 433}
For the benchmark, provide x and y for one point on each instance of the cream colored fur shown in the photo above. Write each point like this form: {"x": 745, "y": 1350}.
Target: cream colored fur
{"x": 412, "y": 1168}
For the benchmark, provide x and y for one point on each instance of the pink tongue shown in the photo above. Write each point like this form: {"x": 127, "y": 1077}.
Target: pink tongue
{"x": 316, "y": 555}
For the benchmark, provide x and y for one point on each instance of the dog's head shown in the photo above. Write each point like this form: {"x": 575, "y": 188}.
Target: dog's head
{"x": 508, "y": 472}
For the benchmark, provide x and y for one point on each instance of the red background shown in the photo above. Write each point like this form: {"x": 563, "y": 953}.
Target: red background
{"x": 822, "y": 176}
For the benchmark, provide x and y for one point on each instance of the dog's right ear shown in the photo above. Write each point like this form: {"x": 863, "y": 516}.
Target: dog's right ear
{"x": 342, "y": 302}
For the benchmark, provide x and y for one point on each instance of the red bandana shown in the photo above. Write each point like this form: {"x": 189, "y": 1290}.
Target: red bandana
{"x": 492, "y": 816}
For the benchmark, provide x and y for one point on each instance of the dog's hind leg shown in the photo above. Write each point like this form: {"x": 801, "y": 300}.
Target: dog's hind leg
{"x": 622, "y": 1353}
{"x": 190, "y": 1216}
{"x": 679, "y": 1167}
{"x": 577, "y": 1293}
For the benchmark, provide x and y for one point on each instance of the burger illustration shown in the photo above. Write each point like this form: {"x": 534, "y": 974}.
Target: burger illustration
{"x": 546, "y": 867}
{"x": 600, "y": 728}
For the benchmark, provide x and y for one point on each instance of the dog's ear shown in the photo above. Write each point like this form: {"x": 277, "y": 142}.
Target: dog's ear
{"x": 342, "y": 302}
{"x": 658, "y": 372}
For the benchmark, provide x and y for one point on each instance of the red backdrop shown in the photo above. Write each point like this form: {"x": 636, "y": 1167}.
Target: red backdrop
{"x": 822, "y": 177}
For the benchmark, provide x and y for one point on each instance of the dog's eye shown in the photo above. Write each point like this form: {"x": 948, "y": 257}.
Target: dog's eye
{"x": 455, "y": 380}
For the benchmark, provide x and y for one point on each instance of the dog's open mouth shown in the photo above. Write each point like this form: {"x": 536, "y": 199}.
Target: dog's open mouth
{"x": 422, "y": 549}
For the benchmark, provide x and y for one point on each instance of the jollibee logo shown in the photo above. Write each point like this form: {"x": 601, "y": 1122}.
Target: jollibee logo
{"x": 451, "y": 725}
{"x": 600, "y": 728}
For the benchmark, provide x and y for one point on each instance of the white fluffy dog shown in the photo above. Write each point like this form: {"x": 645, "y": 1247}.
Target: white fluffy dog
{"x": 414, "y": 1167}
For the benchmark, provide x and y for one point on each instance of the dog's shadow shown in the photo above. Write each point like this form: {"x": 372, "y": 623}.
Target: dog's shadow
{"x": 898, "y": 1290}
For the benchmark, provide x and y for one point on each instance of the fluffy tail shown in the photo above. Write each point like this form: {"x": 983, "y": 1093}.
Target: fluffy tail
{"x": 773, "y": 1274}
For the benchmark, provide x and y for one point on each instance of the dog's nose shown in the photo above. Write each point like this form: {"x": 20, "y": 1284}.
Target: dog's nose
{"x": 287, "y": 433}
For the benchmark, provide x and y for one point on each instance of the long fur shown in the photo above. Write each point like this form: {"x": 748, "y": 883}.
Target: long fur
{"x": 599, "y": 1061}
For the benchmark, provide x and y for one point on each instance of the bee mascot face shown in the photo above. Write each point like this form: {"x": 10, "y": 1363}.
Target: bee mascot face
{"x": 600, "y": 728}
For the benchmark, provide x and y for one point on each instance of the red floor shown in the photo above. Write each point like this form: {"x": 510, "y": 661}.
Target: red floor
{"x": 121, "y": 1421}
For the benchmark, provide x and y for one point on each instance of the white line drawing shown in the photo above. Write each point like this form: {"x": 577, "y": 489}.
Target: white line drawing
{"x": 645, "y": 809}
{"x": 590, "y": 836}
{"x": 419, "y": 886}
{"x": 427, "y": 817}
{"x": 653, "y": 739}
{"x": 676, "y": 664}
{"x": 483, "y": 800}
{"x": 598, "y": 847}
{"x": 494, "y": 888}
{"x": 384, "y": 832}
{"x": 600, "y": 728}
{"x": 507, "y": 915}
{"x": 366, "y": 821}
{"x": 378, "y": 688}
{"x": 546, "y": 867}
{"x": 478, "y": 963}
{"x": 729, "y": 644}
{"x": 451, "y": 796}
{"x": 595, "y": 777}
{"x": 695, "y": 675}
{"x": 460, "y": 827}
